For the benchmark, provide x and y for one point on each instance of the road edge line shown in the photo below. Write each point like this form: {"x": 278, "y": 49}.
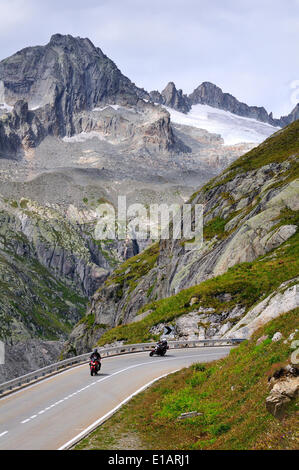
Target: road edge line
{"x": 108, "y": 415}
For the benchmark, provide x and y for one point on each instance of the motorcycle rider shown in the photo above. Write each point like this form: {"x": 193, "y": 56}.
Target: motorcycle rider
{"x": 162, "y": 344}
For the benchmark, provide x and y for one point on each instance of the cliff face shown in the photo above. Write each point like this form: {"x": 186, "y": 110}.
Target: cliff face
{"x": 69, "y": 74}
{"x": 50, "y": 265}
{"x": 172, "y": 98}
{"x": 50, "y": 90}
{"x": 249, "y": 211}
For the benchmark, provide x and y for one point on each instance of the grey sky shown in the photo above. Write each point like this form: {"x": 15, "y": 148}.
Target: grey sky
{"x": 247, "y": 47}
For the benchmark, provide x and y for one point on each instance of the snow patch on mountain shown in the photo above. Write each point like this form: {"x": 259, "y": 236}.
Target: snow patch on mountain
{"x": 78, "y": 138}
{"x": 232, "y": 128}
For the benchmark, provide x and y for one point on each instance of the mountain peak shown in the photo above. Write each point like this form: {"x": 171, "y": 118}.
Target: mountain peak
{"x": 67, "y": 40}
{"x": 210, "y": 94}
{"x": 60, "y": 38}
{"x": 175, "y": 99}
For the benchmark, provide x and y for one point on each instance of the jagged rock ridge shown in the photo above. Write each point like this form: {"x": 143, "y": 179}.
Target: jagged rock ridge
{"x": 209, "y": 94}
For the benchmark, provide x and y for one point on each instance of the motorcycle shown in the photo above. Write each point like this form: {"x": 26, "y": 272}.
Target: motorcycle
{"x": 95, "y": 367}
{"x": 159, "y": 350}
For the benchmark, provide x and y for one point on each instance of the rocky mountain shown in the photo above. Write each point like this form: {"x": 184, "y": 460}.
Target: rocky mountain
{"x": 212, "y": 95}
{"x": 68, "y": 113}
{"x": 62, "y": 88}
{"x": 74, "y": 133}
{"x": 69, "y": 74}
{"x": 249, "y": 254}
{"x": 45, "y": 90}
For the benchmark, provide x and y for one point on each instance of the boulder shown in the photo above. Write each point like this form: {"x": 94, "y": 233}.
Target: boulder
{"x": 284, "y": 385}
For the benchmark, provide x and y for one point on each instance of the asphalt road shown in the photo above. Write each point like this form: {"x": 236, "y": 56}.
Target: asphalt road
{"x": 50, "y": 414}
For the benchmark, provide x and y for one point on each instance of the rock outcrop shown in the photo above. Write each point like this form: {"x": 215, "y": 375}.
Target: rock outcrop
{"x": 282, "y": 301}
{"x": 172, "y": 98}
{"x": 25, "y": 357}
{"x": 284, "y": 387}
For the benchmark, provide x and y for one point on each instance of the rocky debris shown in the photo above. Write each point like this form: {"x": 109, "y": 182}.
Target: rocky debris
{"x": 262, "y": 339}
{"x": 191, "y": 414}
{"x": 277, "y": 337}
{"x": 194, "y": 325}
{"x": 158, "y": 329}
{"x": 200, "y": 324}
{"x": 291, "y": 337}
{"x": 25, "y": 357}
{"x": 284, "y": 386}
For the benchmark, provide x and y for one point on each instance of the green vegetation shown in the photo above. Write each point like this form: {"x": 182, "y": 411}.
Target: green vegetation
{"x": 132, "y": 270}
{"x": 281, "y": 146}
{"x": 229, "y": 393}
{"x": 247, "y": 283}
{"x": 32, "y": 296}
{"x": 89, "y": 322}
{"x": 215, "y": 227}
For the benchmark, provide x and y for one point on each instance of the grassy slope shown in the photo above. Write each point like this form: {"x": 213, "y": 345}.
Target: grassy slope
{"x": 247, "y": 283}
{"x": 230, "y": 393}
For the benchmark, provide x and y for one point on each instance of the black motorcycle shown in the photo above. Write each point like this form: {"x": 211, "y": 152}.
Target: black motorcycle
{"x": 159, "y": 350}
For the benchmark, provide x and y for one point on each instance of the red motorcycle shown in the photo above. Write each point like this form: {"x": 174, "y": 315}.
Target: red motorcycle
{"x": 95, "y": 367}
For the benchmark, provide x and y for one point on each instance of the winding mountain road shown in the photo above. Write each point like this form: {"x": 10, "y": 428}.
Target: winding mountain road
{"x": 55, "y": 412}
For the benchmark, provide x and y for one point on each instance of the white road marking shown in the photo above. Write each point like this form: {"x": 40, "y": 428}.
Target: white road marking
{"x": 3, "y": 434}
{"x": 101, "y": 420}
{"x": 109, "y": 377}
{"x": 68, "y": 370}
